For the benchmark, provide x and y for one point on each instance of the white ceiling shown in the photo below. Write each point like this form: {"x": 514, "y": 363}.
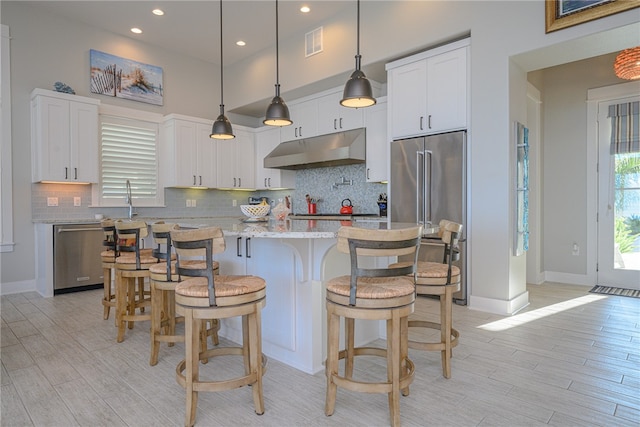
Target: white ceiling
{"x": 192, "y": 27}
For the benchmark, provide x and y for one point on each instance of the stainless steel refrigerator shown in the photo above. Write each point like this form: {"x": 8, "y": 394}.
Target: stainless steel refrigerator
{"x": 427, "y": 184}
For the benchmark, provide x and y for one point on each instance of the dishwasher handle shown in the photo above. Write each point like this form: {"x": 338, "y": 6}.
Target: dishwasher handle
{"x": 67, "y": 230}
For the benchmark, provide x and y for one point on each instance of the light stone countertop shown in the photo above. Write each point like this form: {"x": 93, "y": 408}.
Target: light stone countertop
{"x": 288, "y": 229}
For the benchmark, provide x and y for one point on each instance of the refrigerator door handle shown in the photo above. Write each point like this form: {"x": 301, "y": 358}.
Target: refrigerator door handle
{"x": 427, "y": 193}
{"x": 419, "y": 193}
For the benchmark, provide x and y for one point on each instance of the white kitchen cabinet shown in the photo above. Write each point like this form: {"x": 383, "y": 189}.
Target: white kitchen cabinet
{"x": 377, "y": 145}
{"x": 333, "y": 117}
{"x": 188, "y": 153}
{"x": 428, "y": 92}
{"x": 64, "y": 137}
{"x": 235, "y": 159}
{"x": 268, "y": 138}
{"x": 257, "y": 256}
{"x": 304, "y": 115}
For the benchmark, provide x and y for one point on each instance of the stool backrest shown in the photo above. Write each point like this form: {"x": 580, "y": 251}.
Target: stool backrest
{"x": 110, "y": 234}
{"x": 361, "y": 242}
{"x": 199, "y": 243}
{"x": 162, "y": 237}
{"x": 450, "y": 233}
{"x": 129, "y": 235}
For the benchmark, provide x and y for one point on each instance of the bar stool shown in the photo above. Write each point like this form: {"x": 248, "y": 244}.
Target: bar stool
{"x": 372, "y": 293}
{"x": 201, "y": 297}
{"x": 163, "y": 279}
{"x": 130, "y": 268}
{"x": 108, "y": 263}
{"x": 442, "y": 280}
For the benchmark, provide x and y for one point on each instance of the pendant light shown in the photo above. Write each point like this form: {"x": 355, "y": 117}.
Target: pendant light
{"x": 277, "y": 112}
{"x": 357, "y": 90}
{"x": 222, "y": 126}
{"x": 627, "y": 64}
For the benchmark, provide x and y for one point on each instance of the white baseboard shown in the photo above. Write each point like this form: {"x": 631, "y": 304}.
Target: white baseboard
{"x": 18, "y": 287}
{"x": 496, "y": 306}
{"x": 569, "y": 278}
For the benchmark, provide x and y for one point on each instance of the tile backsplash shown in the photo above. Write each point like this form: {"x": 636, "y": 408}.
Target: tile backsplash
{"x": 318, "y": 183}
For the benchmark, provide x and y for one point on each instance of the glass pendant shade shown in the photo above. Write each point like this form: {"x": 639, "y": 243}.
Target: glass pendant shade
{"x": 222, "y": 126}
{"x": 357, "y": 90}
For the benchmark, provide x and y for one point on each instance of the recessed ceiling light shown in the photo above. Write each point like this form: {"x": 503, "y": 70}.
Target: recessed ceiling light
{"x": 240, "y": 43}
{"x": 158, "y": 12}
{"x": 305, "y": 9}
{"x": 136, "y": 30}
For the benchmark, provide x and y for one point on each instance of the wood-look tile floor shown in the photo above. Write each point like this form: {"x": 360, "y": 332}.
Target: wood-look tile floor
{"x": 569, "y": 359}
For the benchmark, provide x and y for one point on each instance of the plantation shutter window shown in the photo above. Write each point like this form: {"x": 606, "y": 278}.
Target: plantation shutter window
{"x": 128, "y": 152}
{"x": 625, "y": 127}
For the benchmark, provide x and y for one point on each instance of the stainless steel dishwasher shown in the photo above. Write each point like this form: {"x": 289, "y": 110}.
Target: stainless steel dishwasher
{"x": 77, "y": 265}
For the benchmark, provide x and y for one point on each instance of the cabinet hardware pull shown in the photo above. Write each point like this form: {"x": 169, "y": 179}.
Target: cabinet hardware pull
{"x": 295, "y": 132}
{"x": 429, "y": 121}
{"x": 265, "y": 182}
{"x": 194, "y": 180}
{"x": 66, "y": 173}
{"x": 421, "y": 119}
{"x": 269, "y": 182}
{"x": 247, "y": 248}
{"x": 238, "y": 253}
{"x": 368, "y": 173}
{"x": 239, "y": 182}
{"x": 75, "y": 173}
{"x": 300, "y": 131}
{"x": 234, "y": 181}
{"x": 334, "y": 124}
{"x": 200, "y": 179}
{"x": 340, "y": 122}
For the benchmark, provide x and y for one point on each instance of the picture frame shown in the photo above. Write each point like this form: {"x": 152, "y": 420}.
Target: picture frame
{"x": 125, "y": 78}
{"x": 561, "y": 14}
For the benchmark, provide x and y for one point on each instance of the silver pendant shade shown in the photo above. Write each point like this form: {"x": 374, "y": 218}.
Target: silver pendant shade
{"x": 357, "y": 90}
{"x": 222, "y": 126}
{"x": 277, "y": 112}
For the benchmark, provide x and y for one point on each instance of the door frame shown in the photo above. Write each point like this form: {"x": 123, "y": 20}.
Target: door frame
{"x": 594, "y": 97}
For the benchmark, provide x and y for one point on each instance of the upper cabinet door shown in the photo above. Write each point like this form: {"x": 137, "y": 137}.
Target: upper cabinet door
{"x": 205, "y": 157}
{"x": 305, "y": 121}
{"x": 266, "y": 141}
{"x": 333, "y": 117}
{"x": 377, "y": 146}
{"x": 447, "y": 91}
{"x": 408, "y": 90}
{"x": 64, "y": 137}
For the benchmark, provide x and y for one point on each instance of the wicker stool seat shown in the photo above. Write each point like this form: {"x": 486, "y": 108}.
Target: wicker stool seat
{"x": 201, "y": 295}
{"x": 371, "y": 293}
{"x": 441, "y": 280}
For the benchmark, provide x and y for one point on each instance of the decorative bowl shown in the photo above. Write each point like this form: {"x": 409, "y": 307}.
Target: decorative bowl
{"x": 255, "y": 211}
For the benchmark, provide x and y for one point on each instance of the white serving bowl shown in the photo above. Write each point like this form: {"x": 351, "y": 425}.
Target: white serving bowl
{"x": 255, "y": 211}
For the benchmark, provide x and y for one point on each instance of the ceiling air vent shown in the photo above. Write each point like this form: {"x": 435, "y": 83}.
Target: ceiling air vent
{"x": 313, "y": 42}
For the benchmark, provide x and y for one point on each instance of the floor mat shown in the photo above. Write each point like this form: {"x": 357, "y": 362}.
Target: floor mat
{"x": 608, "y": 290}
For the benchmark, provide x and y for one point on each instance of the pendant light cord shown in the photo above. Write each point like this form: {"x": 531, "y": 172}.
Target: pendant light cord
{"x": 358, "y": 31}
{"x": 277, "y": 55}
{"x": 221, "y": 66}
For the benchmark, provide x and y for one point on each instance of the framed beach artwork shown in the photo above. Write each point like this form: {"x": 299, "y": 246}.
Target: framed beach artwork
{"x": 125, "y": 78}
{"x": 567, "y": 13}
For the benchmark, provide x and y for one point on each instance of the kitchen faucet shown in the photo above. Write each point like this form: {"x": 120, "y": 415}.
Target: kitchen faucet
{"x": 129, "y": 200}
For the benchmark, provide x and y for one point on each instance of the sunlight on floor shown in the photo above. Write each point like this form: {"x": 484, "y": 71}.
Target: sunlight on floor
{"x": 529, "y": 316}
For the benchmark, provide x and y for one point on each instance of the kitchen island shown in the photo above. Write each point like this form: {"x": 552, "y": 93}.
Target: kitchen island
{"x": 295, "y": 257}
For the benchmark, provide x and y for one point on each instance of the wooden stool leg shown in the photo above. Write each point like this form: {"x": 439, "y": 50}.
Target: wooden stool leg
{"x": 349, "y": 341}
{"x": 170, "y": 303}
{"x": 255, "y": 355}
{"x": 106, "y": 273}
{"x": 246, "y": 350}
{"x": 121, "y": 303}
{"x": 333, "y": 339}
{"x": 130, "y": 284}
{"x": 404, "y": 349}
{"x": 214, "y": 324}
{"x": 156, "y": 320}
{"x": 140, "y": 293}
{"x": 445, "y": 330}
{"x": 393, "y": 367}
{"x": 192, "y": 356}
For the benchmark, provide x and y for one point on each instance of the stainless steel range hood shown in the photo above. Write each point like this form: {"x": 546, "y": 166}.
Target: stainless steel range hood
{"x": 342, "y": 148}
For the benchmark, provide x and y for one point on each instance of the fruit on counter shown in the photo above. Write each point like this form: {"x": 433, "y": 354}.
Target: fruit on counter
{"x": 264, "y": 202}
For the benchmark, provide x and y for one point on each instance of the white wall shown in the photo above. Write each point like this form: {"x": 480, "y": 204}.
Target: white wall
{"x": 46, "y": 49}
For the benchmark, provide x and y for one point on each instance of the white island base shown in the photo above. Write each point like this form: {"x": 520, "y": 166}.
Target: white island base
{"x": 294, "y": 319}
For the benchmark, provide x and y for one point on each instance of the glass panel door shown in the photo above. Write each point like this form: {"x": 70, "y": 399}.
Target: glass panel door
{"x": 618, "y": 210}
